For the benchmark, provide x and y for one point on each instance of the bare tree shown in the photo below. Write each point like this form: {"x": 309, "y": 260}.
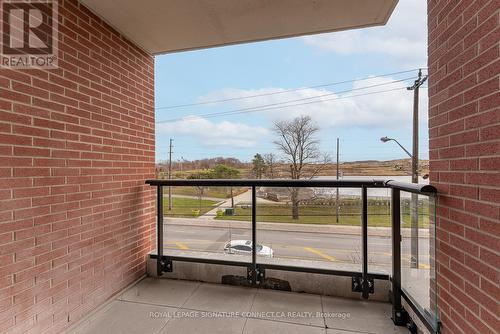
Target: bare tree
{"x": 296, "y": 140}
{"x": 271, "y": 161}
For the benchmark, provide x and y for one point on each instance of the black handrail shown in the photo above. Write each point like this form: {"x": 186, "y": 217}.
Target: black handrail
{"x": 312, "y": 183}
{"x": 317, "y": 183}
{"x": 424, "y": 189}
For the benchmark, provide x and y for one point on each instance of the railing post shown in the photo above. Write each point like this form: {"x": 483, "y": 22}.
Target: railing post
{"x": 159, "y": 230}
{"x": 414, "y": 230}
{"x": 398, "y": 313}
{"x": 364, "y": 240}
{"x": 254, "y": 236}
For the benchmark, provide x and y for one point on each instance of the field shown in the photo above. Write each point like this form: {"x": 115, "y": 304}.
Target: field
{"x": 378, "y": 216}
{"x": 348, "y": 168}
{"x": 186, "y": 207}
{"x": 215, "y": 192}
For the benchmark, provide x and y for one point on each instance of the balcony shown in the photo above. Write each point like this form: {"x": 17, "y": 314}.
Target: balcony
{"x": 77, "y": 222}
{"x": 385, "y": 254}
{"x": 177, "y": 306}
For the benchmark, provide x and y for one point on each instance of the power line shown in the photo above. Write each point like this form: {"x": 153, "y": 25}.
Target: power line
{"x": 281, "y": 92}
{"x": 272, "y": 107}
{"x": 245, "y": 111}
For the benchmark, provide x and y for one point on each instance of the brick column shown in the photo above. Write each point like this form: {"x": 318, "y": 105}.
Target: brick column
{"x": 464, "y": 128}
{"x": 76, "y": 145}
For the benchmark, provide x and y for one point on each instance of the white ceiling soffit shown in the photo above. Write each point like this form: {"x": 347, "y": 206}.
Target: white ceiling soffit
{"x": 162, "y": 26}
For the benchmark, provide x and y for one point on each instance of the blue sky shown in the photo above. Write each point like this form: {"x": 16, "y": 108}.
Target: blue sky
{"x": 278, "y": 65}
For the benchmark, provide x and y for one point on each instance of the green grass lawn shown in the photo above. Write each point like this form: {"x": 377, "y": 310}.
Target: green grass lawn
{"x": 216, "y": 192}
{"x": 185, "y": 207}
{"x": 377, "y": 215}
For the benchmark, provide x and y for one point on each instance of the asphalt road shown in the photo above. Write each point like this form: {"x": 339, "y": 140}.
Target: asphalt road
{"x": 340, "y": 248}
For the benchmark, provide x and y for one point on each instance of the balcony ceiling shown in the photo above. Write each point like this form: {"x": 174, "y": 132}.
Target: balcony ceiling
{"x": 162, "y": 26}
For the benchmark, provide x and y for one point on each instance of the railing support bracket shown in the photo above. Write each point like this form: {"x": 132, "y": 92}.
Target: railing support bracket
{"x": 164, "y": 265}
{"x": 256, "y": 276}
{"x": 399, "y": 316}
{"x": 359, "y": 285}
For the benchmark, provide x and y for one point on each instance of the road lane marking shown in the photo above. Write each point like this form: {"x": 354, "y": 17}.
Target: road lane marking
{"x": 279, "y": 245}
{"x": 320, "y": 253}
{"x": 181, "y": 245}
{"x": 311, "y": 258}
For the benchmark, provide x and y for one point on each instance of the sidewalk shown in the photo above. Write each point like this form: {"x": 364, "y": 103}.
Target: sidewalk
{"x": 216, "y": 199}
{"x": 288, "y": 227}
{"x": 245, "y": 197}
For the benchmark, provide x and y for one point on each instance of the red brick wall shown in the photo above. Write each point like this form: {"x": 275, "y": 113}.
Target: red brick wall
{"x": 76, "y": 145}
{"x": 464, "y": 125}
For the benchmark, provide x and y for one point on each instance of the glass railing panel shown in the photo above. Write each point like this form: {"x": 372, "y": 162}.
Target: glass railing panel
{"x": 323, "y": 228}
{"x": 379, "y": 230}
{"x": 195, "y": 221}
{"x": 418, "y": 252}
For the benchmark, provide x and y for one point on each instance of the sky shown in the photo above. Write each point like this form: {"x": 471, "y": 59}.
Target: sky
{"x": 293, "y": 77}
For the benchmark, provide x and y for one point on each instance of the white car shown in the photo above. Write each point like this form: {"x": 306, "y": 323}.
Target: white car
{"x": 244, "y": 247}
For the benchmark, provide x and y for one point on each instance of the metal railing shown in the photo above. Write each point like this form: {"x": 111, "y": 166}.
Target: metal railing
{"x": 363, "y": 280}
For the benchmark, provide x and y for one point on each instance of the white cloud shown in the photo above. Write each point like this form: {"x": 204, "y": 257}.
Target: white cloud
{"x": 404, "y": 38}
{"x": 210, "y": 134}
{"x": 389, "y": 110}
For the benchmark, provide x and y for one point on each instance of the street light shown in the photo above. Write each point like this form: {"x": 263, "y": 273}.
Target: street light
{"x": 414, "y": 206}
{"x": 386, "y": 139}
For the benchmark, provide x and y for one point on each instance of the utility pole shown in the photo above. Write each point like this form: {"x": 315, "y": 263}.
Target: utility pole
{"x": 337, "y": 194}
{"x": 414, "y": 168}
{"x": 170, "y": 175}
{"x": 414, "y": 160}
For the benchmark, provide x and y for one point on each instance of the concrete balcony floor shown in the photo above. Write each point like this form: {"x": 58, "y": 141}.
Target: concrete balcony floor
{"x": 175, "y": 306}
